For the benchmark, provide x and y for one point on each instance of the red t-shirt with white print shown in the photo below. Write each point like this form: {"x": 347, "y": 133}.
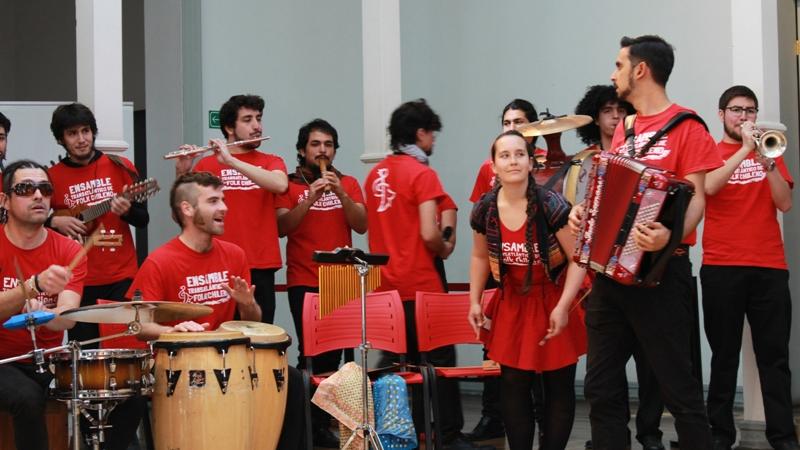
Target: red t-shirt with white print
{"x": 741, "y": 226}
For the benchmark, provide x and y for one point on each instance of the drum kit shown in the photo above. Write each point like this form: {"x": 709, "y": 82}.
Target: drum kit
{"x": 203, "y": 385}
{"x": 557, "y": 166}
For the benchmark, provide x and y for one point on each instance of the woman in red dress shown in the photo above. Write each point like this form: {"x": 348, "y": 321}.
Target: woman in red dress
{"x": 532, "y": 325}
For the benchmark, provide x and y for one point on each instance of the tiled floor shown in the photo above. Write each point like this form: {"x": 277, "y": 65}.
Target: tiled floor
{"x": 580, "y": 431}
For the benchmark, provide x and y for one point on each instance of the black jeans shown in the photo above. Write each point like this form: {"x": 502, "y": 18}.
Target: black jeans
{"x": 293, "y": 430}
{"x": 264, "y": 281}
{"x": 660, "y": 320}
{"x": 115, "y": 291}
{"x": 450, "y": 412}
{"x": 23, "y": 393}
{"x": 729, "y": 294}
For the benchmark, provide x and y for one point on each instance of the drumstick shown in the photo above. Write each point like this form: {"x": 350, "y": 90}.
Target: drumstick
{"x": 21, "y": 279}
{"x": 87, "y": 245}
{"x": 580, "y": 300}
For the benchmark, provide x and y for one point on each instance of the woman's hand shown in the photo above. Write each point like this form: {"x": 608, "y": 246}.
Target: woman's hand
{"x": 475, "y": 318}
{"x": 559, "y": 318}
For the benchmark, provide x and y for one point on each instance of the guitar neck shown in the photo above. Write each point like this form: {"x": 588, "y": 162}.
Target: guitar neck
{"x": 96, "y": 210}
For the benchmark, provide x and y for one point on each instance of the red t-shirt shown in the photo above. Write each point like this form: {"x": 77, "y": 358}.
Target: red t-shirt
{"x": 56, "y": 249}
{"x": 484, "y": 181}
{"x": 394, "y": 189}
{"x": 176, "y": 273}
{"x": 251, "y": 222}
{"x": 324, "y": 228}
{"x": 741, "y": 226}
{"x": 686, "y": 149}
{"x": 94, "y": 183}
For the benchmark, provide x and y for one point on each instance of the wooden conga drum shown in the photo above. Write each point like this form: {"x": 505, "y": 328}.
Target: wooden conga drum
{"x": 270, "y": 380}
{"x": 202, "y": 397}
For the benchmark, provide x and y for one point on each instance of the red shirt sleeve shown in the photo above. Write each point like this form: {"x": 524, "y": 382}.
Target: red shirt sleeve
{"x": 427, "y": 187}
{"x": 483, "y": 182}
{"x": 353, "y": 189}
{"x": 781, "y": 166}
{"x": 700, "y": 151}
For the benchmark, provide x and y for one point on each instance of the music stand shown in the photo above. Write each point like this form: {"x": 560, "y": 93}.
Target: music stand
{"x": 362, "y": 262}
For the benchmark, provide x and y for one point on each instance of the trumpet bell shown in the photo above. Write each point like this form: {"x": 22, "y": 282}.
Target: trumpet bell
{"x": 771, "y": 144}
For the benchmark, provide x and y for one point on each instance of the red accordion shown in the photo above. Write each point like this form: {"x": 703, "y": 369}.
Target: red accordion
{"x": 623, "y": 192}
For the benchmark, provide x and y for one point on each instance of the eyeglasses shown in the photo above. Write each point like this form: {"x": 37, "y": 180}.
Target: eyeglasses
{"x": 738, "y": 110}
{"x": 27, "y": 188}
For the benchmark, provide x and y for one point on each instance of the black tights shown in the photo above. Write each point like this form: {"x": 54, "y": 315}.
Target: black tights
{"x": 516, "y": 407}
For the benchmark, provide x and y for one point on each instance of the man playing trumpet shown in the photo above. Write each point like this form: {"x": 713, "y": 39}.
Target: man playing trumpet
{"x": 744, "y": 272}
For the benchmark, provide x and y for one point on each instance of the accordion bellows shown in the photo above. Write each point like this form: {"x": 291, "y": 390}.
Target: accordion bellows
{"x": 623, "y": 192}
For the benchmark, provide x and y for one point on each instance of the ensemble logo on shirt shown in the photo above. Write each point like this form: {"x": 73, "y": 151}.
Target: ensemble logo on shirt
{"x": 515, "y": 253}
{"x": 328, "y": 201}
{"x": 382, "y": 190}
{"x": 658, "y": 151}
{"x": 232, "y": 179}
{"x": 205, "y": 289}
{"x": 49, "y": 301}
{"x": 89, "y": 192}
{"x": 748, "y": 171}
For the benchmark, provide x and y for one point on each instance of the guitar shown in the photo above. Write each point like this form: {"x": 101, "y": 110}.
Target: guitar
{"x": 137, "y": 192}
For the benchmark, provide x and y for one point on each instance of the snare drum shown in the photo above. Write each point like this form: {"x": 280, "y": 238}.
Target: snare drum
{"x": 202, "y": 398}
{"x": 269, "y": 379}
{"x": 103, "y": 374}
{"x": 577, "y": 177}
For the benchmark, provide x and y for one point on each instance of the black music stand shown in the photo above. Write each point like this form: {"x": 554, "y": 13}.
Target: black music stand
{"x": 361, "y": 261}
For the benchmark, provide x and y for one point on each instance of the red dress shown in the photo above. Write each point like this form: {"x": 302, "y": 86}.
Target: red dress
{"x": 520, "y": 321}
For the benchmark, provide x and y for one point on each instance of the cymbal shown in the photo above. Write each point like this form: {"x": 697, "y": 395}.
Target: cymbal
{"x": 125, "y": 312}
{"x": 554, "y": 125}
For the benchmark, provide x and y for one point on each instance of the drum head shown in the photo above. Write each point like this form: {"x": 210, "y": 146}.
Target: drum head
{"x": 257, "y": 332}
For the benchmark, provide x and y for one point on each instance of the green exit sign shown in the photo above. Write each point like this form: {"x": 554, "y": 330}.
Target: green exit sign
{"x": 213, "y": 119}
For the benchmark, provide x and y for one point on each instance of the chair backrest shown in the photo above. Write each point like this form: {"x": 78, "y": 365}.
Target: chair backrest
{"x": 442, "y": 319}
{"x": 342, "y": 328}
{"x": 107, "y": 329}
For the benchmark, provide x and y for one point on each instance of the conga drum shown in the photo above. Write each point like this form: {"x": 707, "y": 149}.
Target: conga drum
{"x": 267, "y": 367}
{"x": 202, "y": 398}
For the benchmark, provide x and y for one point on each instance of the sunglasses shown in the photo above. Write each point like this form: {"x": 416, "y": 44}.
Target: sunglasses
{"x": 27, "y": 188}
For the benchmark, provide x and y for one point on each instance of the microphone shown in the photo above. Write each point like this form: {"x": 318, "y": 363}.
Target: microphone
{"x": 25, "y": 319}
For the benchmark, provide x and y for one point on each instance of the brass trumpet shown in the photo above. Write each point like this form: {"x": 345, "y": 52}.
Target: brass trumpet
{"x": 208, "y": 148}
{"x": 770, "y": 140}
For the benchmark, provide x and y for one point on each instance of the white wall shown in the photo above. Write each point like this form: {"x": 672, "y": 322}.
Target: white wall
{"x": 467, "y": 57}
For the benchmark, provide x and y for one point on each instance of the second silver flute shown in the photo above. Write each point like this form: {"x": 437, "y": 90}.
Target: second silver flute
{"x": 199, "y": 150}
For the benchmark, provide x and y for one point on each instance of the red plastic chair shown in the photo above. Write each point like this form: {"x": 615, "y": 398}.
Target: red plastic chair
{"x": 107, "y": 329}
{"x": 341, "y": 329}
{"x": 442, "y": 320}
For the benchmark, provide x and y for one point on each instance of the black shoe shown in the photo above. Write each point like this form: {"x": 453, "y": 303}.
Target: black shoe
{"x": 786, "y": 445}
{"x": 588, "y": 445}
{"x": 718, "y": 443}
{"x": 487, "y": 428}
{"x": 652, "y": 443}
{"x": 325, "y": 438}
{"x": 461, "y": 443}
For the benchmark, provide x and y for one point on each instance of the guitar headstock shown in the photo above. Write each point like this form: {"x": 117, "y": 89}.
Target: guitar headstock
{"x": 141, "y": 190}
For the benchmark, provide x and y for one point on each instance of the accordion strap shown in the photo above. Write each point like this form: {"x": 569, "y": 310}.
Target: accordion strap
{"x": 681, "y": 203}
{"x": 630, "y": 133}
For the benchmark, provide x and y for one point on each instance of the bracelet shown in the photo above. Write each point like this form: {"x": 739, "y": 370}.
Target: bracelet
{"x": 36, "y": 283}
{"x": 31, "y": 285}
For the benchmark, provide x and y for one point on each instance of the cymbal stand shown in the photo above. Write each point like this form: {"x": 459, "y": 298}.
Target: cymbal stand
{"x": 370, "y": 434}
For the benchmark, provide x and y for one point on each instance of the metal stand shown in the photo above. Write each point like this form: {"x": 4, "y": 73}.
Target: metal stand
{"x": 370, "y": 435}
{"x": 76, "y": 405}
